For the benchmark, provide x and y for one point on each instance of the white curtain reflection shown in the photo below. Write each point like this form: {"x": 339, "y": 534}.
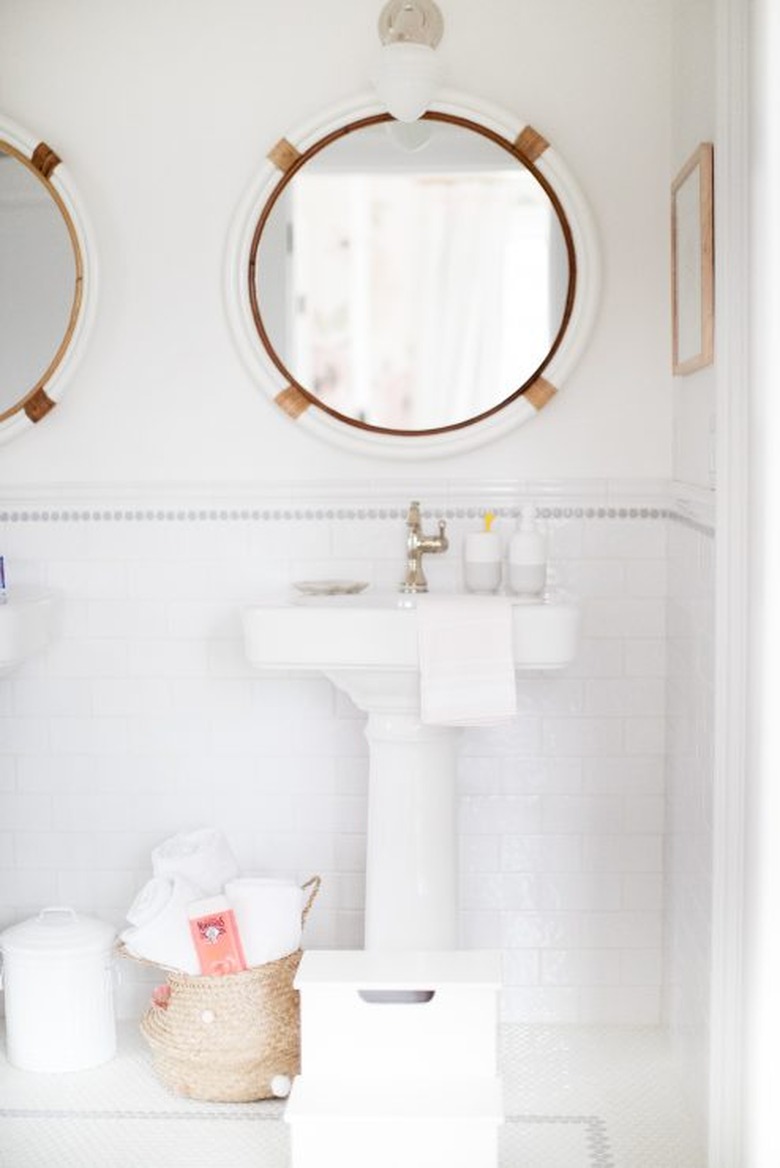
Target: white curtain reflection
{"x": 419, "y": 300}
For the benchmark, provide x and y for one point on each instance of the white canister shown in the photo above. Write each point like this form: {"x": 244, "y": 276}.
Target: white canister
{"x": 58, "y": 983}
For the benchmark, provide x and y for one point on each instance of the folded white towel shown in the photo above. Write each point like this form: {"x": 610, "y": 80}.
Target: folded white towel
{"x": 202, "y": 856}
{"x": 268, "y": 914}
{"x": 467, "y": 673}
{"x": 160, "y": 923}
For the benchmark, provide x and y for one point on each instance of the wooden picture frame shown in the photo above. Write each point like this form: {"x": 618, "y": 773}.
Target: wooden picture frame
{"x": 693, "y": 276}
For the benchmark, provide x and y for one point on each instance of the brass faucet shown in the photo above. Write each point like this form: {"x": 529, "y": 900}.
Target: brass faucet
{"x": 417, "y": 545}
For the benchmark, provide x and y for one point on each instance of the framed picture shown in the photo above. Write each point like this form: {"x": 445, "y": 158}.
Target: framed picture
{"x": 693, "y": 308}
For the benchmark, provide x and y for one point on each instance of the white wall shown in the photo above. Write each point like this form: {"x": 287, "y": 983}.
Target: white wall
{"x": 163, "y": 115}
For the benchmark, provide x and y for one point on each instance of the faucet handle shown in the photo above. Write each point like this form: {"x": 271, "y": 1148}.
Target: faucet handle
{"x": 413, "y": 514}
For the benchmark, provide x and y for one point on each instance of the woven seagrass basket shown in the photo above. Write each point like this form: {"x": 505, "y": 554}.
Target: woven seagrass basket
{"x": 225, "y": 1038}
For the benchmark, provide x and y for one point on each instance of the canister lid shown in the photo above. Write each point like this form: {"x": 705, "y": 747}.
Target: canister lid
{"x": 58, "y": 930}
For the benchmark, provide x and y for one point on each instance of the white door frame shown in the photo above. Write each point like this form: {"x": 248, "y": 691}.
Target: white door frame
{"x": 732, "y": 252}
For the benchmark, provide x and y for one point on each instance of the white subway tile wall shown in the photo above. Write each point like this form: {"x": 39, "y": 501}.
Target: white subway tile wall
{"x": 143, "y": 718}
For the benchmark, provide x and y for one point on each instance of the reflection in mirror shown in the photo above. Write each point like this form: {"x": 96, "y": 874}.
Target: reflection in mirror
{"x": 39, "y": 279}
{"x": 412, "y": 278}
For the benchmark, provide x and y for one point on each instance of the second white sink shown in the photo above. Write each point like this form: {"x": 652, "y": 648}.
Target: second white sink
{"x": 25, "y": 627}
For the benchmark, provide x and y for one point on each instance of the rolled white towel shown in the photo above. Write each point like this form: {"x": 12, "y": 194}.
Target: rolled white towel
{"x": 150, "y": 900}
{"x": 268, "y": 914}
{"x": 202, "y": 856}
{"x": 160, "y": 929}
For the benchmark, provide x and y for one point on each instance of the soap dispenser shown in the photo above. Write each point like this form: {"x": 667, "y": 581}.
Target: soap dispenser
{"x": 527, "y": 557}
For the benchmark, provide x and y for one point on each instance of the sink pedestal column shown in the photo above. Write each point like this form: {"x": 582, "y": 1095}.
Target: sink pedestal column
{"x": 411, "y": 850}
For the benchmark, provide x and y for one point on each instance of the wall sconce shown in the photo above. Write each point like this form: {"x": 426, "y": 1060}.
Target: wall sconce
{"x": 408, "y": 70}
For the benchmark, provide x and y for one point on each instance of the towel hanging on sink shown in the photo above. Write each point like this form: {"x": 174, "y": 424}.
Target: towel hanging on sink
{"x": 467, "y": 673}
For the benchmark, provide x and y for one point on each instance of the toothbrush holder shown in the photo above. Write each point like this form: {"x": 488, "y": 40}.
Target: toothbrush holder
{"x": 482, "y": 562}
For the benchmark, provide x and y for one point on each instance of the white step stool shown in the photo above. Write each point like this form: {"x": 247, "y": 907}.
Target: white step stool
{"x": 443, "y": 1021}
{"x": 399, "y": 1061}
{"x": 396, "y": 1123}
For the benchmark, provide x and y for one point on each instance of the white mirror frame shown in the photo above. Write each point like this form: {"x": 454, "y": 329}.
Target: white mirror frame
{"x": 33, "y": 406}
{"x": 411, "y": 446}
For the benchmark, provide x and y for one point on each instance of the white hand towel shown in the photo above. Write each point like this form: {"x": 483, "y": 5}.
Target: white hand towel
{"x": 268, "y": 914}
{"x": 467, "y": 673}
{"x": 202, "y": 856}
{"x": 161, "y": 930}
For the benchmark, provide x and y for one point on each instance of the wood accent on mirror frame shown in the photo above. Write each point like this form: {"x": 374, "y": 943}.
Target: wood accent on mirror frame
{"x": 282, "y": 149}
{"x": 38, "y": 406}
{"x": 34, "y": 401}
{"x": 293, "y": 401}
{"x": 530, "y": 143}
{"x": 540, "y": 393}
{"x": 284, "y": 155}
{"x": 44, "y": 159}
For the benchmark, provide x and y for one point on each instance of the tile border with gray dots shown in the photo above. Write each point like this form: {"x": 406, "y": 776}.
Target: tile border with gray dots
{"x": 595, "y": 1128}
{"x": 139, "y": 515}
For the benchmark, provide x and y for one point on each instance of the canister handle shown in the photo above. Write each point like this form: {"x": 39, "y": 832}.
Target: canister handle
{"x": 57, "y": 908}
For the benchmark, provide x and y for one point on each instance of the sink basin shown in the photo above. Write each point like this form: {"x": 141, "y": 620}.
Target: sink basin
{"x": 25, "y": 627}
{"x": 379, "y": 631}
{"x": 367, "y": 645}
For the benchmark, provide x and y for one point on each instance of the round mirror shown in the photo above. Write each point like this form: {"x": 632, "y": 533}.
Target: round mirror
{"x": 42, "y": 279}
{"x": 413, "y": 281}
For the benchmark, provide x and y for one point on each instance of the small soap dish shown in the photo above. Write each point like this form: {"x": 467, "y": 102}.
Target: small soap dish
{"x": 330, "y": 587}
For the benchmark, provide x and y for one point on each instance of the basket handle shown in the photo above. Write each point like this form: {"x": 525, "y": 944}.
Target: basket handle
{"x": 314, "y": 883}
{"x": 121, "y": 950}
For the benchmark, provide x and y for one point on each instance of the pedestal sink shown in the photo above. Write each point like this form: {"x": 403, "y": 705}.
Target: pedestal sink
{"x": 25, "y": 627}
{"x": 367, "y": 646}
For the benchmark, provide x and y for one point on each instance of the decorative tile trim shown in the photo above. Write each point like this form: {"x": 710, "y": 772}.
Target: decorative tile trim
{"x": 555, "y": 500}
{"x": 286, "y": 514}
{"x": 598, "y": 1143}
{"x": 596, "y": 1128}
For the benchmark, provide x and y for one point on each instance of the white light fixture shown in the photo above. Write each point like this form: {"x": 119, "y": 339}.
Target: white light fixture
{"x": 408, "y": 70}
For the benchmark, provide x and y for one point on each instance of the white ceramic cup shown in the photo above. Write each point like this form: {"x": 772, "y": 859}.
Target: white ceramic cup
{"x": 482, "y": 561}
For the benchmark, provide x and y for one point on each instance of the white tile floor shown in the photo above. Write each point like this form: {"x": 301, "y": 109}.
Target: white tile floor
{"x": 575, "y": 1098}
